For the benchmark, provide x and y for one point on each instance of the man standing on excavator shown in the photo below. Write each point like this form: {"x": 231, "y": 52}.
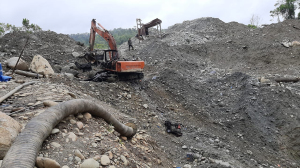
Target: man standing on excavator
{"x": 130, "y": 44}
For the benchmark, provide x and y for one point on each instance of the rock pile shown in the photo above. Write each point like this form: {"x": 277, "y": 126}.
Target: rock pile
{"x": 220, "y": 82}
{"x": 215, "y": 78}
{"x": 58, "y": 49}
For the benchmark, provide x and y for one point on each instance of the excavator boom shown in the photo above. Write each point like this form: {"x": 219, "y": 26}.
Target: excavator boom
{"x": 104, "y": 34}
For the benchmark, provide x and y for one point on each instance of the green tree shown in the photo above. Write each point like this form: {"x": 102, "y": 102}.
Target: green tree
{"x": 285, "y": 9}
{"x": 25, "y": 23}
{"x": 2, "y": 30}
{"x": 30, "y": 27}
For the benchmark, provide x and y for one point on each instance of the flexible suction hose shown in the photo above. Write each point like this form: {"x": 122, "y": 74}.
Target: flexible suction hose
{"x": 26, "y": 146}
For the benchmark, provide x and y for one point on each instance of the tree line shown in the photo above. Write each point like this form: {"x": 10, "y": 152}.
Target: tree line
{"x": 26, "y": 26}
{"x": 284, "y": 9}
{"x": 120, "y": 35}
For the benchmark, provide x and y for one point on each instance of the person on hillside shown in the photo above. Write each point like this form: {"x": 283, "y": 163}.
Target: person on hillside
{"x": 130, "y": 44}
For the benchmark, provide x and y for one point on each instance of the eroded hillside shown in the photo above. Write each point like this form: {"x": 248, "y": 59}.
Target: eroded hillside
{"x": 215, "y": 78}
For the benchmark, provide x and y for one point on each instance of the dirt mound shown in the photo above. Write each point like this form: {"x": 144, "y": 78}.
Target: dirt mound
{"x": 217, "y": 80}
{"x": 56, "y": 48}
{"x": 207, "y": 74}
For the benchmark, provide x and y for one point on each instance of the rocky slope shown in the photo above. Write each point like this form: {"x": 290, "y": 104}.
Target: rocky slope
{"x": 215, "y": 78}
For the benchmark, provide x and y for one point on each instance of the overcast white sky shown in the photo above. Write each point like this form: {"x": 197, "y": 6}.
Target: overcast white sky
{"x": 74, "y": 16}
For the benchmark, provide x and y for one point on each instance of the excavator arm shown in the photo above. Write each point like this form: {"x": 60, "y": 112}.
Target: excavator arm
{"x": 104, "y": 34}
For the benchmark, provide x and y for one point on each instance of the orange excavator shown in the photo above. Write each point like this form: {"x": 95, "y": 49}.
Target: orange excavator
{"x": 110, "y": 59}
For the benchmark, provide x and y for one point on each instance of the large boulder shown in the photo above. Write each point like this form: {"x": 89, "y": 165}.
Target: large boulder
{"x": 22, "y": 65}
{"x": 9, "y": 129}
{"x": 41, "y": 65}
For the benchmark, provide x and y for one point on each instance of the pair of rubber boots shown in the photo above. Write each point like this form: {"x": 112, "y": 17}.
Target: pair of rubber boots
{"x": 2, "y": 77}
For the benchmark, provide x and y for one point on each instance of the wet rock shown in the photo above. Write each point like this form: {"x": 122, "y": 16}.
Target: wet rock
{"x": 87, "y": 116}
{"x": 184, "y": 147}
{"x": 13, "y": 51}
{"x": 80, "y": 116}
{"x": 75, "y": 54}
{"x": 72, "y": 136}
{"x": 30, "y": 104}
{"x": 55, "y": 145}
{"x": 187, "y": 166}
{"x": 22, "y": 65}
{"x": 124, "y": 138}
{"x": 90, "y": 163}
{"x": 72, "y": 121}
{"x": 145, "y": 106}
{"x": 72, "y": 95}
{"x": 97, "y": 157}
{"x": 264, "y": 80}
{"x": 55, "y": 131}
{"x": 69, "y": 75}
{"x": 125, "y": 161}
{"x": 220, "y": 162}
{"x": 79, "y": 154}
{"x": 49, "y": 103}
{"x": 79, "y": 124}
{"x": 46, "y": 163}
{"x": 9, "y": 129}
{"x": 70, "y": 69}
{"x": 78, "y": 159}
{"x": 57, "y": 68}
{"x": 104, "y": 160}
{"x": 110, "y": 155}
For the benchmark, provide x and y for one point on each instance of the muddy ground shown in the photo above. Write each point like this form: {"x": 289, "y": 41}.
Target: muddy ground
{"x": 215, "y": 78}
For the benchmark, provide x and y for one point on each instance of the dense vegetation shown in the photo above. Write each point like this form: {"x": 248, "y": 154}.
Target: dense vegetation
{"x": 286, "y": 9}
{"x": 120, "y": 35}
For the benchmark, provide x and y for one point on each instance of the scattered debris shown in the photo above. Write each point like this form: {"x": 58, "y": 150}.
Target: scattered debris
{"x": 288, "y": 79}
{"x": 15, "y": 90}
{"x": 173, "y": 128}
{"x": 29, "y": 74}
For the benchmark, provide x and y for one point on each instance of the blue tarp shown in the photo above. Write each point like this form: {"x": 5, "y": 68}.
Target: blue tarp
{"x": 2, "y": 77}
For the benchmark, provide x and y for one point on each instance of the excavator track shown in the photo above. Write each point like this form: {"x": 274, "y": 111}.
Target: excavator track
{"x": 130, "y": 76}
{"x": 108, "y": 76}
